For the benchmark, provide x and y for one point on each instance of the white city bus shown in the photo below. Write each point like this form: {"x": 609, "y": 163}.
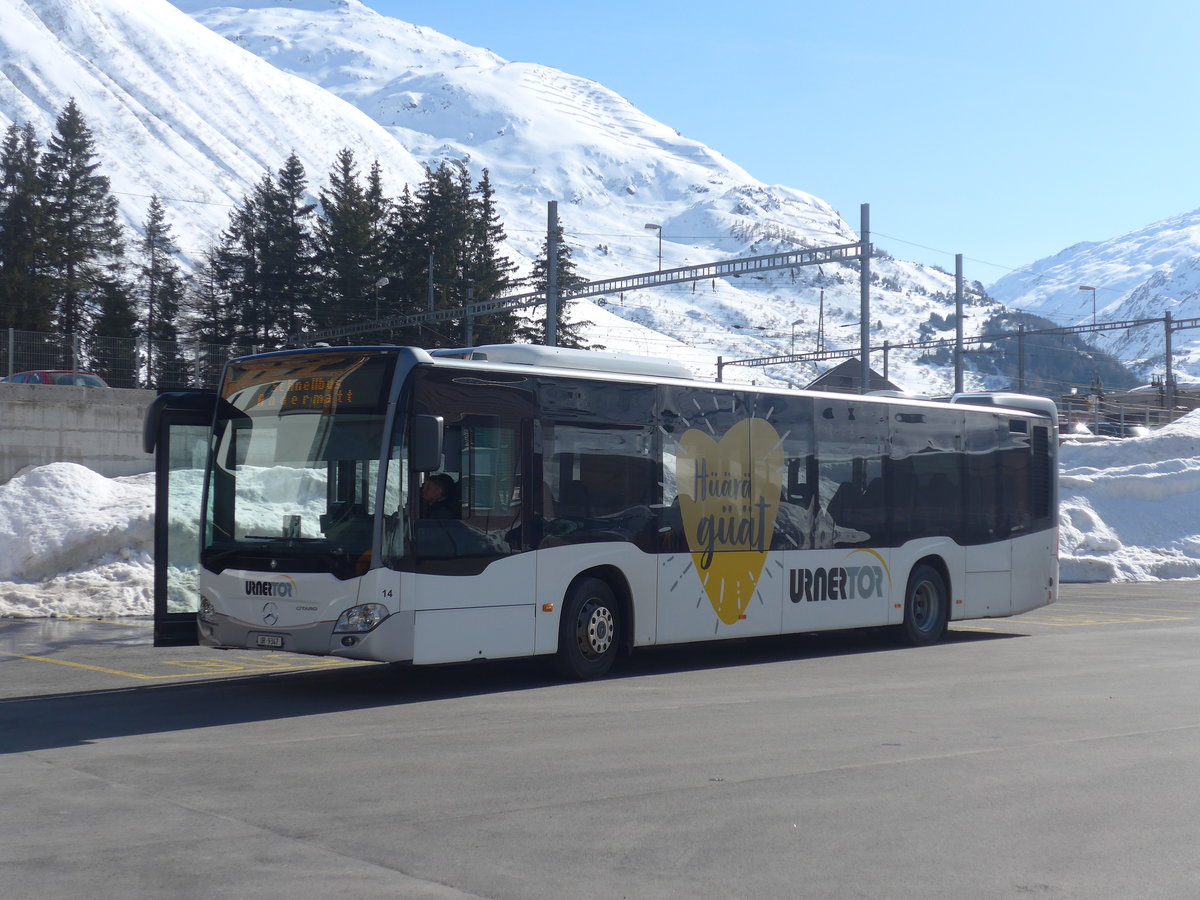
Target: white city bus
{"x": 593, "y": 504}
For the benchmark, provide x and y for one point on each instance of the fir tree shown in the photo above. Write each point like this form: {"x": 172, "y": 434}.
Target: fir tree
{"x": 160, "y": 288}
{"x": 25, "y": 301}
{"x": 445, "y": 222}
{"x": 348, "y": 248}
{"x": 408, "y": 260}
{"x": 114, "y": 349}
{"x": 84, "y": 247}
{"x": 236, "y": 259}
{"x": 286, "y": 251}
{"x": 267, "y": 255}
{"x": 215, "y": 321}
{"x": 566, "y": 331}
{"x": 488, "y": 271}
{"x": 379, "y": 212}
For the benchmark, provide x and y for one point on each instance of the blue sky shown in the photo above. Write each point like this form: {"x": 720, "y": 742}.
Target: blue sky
{"x": 1003, "y": 131}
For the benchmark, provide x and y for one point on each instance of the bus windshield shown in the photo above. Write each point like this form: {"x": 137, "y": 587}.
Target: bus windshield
{"x": 295, "y": 462}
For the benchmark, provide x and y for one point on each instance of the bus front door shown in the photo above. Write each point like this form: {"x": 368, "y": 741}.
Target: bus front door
{"x": 177, "y": 430}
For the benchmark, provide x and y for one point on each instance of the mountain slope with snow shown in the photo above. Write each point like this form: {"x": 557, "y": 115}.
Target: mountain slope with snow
{"x": 175, "y": 109}
{"x": 180, "y": 111}
{"x": 1139, "y": 275}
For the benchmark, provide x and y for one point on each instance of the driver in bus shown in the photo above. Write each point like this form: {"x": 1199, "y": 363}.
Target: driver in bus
{"x": 438, "y": 495}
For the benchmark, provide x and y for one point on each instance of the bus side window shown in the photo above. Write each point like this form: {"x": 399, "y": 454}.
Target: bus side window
{"x": 603, "y": 481}
{"x": 791, "y": 417}
{"x": 1014, "y": 481}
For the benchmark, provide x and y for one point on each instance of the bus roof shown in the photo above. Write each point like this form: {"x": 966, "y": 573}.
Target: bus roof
{"x": 1042, "y": 406}
{"x": 567, "y": 358}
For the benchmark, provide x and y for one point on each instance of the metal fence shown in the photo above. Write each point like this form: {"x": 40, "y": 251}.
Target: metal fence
{"x": 122, "y": 362}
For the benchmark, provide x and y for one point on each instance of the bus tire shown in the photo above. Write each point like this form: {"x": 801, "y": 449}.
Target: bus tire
{"x": 926, "y": 606}
{"x": 588, "y": 630}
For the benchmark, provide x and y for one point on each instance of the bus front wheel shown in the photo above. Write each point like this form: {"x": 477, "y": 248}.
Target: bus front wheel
{"x": 926, "y": 606}
{"x": 587, "y": 635}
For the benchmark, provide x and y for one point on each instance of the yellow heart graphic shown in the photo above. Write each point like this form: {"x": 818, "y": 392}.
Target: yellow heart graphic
{"x": 728, "y": 498}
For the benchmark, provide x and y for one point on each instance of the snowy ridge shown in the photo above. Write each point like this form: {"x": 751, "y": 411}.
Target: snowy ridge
{"x": 169, "y": 105}
{"x": 199, "y": 109}
{"x": 181, "y": 111}
{"x": 1141, "y": 274}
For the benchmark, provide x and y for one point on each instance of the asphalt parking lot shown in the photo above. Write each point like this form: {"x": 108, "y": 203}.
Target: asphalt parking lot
{"x": 1053, "y": 754}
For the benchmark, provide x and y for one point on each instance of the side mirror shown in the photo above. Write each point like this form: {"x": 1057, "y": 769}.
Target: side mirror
{"x": 425, "y": 448}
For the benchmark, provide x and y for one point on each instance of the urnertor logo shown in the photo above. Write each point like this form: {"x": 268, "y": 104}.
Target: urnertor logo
{"x": 283, "y": 589}
{"x": 858, "y": 582}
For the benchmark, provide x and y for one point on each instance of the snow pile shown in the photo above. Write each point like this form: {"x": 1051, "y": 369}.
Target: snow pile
{"x": 74, "y": 543}
{"x": 1129, "y": 507}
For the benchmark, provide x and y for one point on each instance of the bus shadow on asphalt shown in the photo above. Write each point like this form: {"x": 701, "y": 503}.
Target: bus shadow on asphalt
{"x": 71, "y": 719}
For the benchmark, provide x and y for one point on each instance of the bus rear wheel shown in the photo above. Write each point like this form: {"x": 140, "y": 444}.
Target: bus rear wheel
{"x": 587, "y": 634}
{"x": 926, "y": 606}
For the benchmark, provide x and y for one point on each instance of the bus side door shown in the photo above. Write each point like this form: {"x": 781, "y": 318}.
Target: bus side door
{"x": 177, "y": 431}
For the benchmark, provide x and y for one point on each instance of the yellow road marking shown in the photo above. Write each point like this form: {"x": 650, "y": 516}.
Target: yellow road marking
{"x": 106, "y": 671}
{"x": 201, "y": 667}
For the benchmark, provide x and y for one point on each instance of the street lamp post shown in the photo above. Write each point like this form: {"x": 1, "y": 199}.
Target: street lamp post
{"x": 382, "y": 282}
{"x": 1088, "y": 287}
{"x": 650, "y": 226}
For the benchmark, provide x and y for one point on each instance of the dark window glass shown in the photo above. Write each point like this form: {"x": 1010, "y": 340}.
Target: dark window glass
{"x": 700, "y": 444}
{"x": 1016, "y": 482}
{"x": 792, "y": 417}
{"x": 1043, "y": 478}
{"x": 600, "y": 471}
{"x": 926, "y": 473}
{"x": 471, "y": 510}
{"x": 851, "y": 438}
{"x": 982, "y": 520}
{"x": 298, "y": 440}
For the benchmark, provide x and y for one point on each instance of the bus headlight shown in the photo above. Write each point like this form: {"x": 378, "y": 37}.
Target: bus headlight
{"x": 207, "y": 613}
{"x": 359, "y": 619}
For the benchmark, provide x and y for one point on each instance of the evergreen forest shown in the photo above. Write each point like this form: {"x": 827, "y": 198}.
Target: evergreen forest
{"x": 292, "y": 260}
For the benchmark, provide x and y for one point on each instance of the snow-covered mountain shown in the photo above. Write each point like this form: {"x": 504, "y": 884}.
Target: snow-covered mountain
{"x": 1139, "y": 275}
{"x": 198, "y": 109}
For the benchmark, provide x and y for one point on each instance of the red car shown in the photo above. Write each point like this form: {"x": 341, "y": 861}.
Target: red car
{"x": 57, "y": 376}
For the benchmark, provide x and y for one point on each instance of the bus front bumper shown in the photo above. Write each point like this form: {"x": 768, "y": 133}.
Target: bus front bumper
{"x": 390, "y": 641}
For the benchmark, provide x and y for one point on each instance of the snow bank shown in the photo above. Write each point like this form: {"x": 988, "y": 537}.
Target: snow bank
{"x": 1130, "y": 509}
{"x": 75, "y": 543}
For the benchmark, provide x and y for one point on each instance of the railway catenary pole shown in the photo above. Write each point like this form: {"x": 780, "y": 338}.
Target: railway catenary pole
{"x": 958, "y": 323}
{"x": 864, "y": 298}
{"x": 552, "y": 273}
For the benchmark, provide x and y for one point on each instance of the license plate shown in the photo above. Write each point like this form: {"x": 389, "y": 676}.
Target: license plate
{"x": 271, "y": 640}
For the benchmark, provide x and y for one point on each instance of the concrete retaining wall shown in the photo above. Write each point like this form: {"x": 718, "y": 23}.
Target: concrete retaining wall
{"x": 97, "y": 428}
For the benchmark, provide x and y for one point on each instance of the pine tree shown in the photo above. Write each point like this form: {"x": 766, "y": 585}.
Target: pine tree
{"x": 488, "y": 271}
{"x": 286, "y": 244}
{"x": 446, "y": 224}
{"x": 236, "y": 259}
{"x": 566, "y": 331}
{"x": 379, "y": 213}
{"x": 24, "y": 288}
{"x": 160, "y": 288}
{"x": 114, "y": 349}
{"x": 407, "y": 261}
{"x": 84, "y": 247}
{"x": 348, "y": 248}
{"x": 213, "y": 316}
